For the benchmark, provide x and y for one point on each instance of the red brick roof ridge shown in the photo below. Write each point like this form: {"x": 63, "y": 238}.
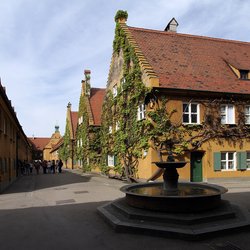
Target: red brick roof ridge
{"x": 194, "y": 63}
{"x": 190, "y": 35}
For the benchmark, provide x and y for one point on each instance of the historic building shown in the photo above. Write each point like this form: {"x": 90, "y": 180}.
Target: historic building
{"x": 42, "y": 146}
{"x": 176, "y": 92}
{"x": 66, "y": 148}
{"x": 38, "y": 144}
{"x": 14, "y": 145}
{"x": 80, "y": 146}
{"x": 88, "y": 145}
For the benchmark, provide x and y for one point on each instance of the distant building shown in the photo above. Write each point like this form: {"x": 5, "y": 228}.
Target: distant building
{"x": 14, "y": 145}
{"x": 42, "y": 146}
{"x": 66, "y": 147}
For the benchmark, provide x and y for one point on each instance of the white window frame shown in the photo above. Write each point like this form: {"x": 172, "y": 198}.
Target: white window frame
{"x": 190, "y": 113}
{"x": 80, "y": 120}
{"x": 117, "y": 126}
{"x": 110, "y": 129}
{"x": 229, "y": 118}
{"x": 141, "y": 112}
{"x": 115, "y": 90}
{"x": 228, "y": 161}
{"x": 248, "y": 160}
{"x": 111, "y": 160}
{"x": 247, "y": 114}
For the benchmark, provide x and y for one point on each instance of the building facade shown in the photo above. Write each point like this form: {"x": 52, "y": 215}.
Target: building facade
{"x": 14, "y": 145}
{"x": 184, "y": 93}
{"x": 88, "y": 145}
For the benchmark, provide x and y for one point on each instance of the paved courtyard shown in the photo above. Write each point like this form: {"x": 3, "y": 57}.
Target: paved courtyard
{"x": 59, "y": 211}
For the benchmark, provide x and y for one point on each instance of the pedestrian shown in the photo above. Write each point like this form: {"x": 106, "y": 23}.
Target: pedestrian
{"x": 60, "y": 164}
{"x": 27, "y": 168}
{"x": 37, "y": 166}
{"x": 53, "y": 167}
{"x": 49, "y": 166}
{"x": 44, "y": 166}
{"x": 57, "y": 161}
{"x": 30, "y": 168}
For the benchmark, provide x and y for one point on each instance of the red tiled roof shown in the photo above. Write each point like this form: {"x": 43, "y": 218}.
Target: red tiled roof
{"x": 39, "y": 142}
{"x": 74, "y": 119}
{"x": 96, "y": 101}
{"x": 194, "y": 62}
{"x": 57, "y": 145}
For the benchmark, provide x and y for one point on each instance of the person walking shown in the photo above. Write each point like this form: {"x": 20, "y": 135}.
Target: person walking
{"x": 44, "y": 166}
{"x": 49, "y": 167}
{"x": 60, "y": 164}
{"x": 53, "y": 167}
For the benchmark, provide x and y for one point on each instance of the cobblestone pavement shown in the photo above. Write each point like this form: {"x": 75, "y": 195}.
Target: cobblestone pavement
{"x": 59, "y": 211}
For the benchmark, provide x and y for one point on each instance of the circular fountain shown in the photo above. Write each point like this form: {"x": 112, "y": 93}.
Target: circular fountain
{"x": 171, "y": 196}
{"x": 172, "y": 209}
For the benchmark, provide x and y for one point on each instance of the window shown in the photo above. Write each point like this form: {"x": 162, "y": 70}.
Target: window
{"x": 80, "y": 120}
{"x": 115, "y": 90}
{"x": 247, "y": 114}
{"x": 228, "y": 161}
{"x": 141, "y": 112}
{"x": 110, "y": 129}
{"x": 191, "y": 113}
{"x": 227, "y": 114}
{"x": 111, "y": 161}
{"x": 248, "y": 160}
{"x": 244, "y": 74}
{"x": 117, "y": 126}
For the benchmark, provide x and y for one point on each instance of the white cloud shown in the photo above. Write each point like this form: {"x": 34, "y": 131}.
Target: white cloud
{"x": 46, "y": 45}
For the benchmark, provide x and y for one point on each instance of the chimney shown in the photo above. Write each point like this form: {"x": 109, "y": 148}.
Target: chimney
{"x": 172, "y": 26}
{"x": 121, "y": 16}
{"x": 87, "y": 82}
{"x": 69, "y": 106}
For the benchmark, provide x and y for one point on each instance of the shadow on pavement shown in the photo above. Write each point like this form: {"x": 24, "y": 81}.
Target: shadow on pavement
{"x": 75, "y": 226}
{"x": 34, "y": 182}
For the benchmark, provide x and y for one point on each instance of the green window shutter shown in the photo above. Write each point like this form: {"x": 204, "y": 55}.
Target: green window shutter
{"x": 115, "y": 160}
{"x": 217, "y": 161}
{"x": 241, "y": 160}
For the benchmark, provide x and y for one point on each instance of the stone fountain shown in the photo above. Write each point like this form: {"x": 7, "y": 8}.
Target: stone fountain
{"x": 171, "y": 209}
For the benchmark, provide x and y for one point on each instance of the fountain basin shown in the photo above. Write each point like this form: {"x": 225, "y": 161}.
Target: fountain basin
{"x": 188, "y": 198}
{"x": 166, "y": 164}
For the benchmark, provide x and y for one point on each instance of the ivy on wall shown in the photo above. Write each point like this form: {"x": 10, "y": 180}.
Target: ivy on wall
{"x": 128, "y": 140}
{"x": 87, "y": 139}
{"x": 65, "y": 151}
{"x": 157, "y": 131}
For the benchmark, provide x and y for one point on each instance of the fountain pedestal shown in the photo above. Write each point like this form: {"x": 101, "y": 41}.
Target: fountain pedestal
{"x": 170, "y": 175}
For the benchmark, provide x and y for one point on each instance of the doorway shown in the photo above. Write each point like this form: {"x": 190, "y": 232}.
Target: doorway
{"x": 196, "y": 166}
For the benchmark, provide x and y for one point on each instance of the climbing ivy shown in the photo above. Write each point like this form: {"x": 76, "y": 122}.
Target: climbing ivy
{"x": 157, "y": 131}
{"x": 128, "y": 139}
{"x": 88, "y": 139}
{"x": 65, "y": 150}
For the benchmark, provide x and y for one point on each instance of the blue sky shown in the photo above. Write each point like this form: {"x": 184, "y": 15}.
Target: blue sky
{"x": 46, "y": 45}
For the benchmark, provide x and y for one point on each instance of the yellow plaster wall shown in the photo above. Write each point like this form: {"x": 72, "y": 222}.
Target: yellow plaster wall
{"x": 146, "y": 167}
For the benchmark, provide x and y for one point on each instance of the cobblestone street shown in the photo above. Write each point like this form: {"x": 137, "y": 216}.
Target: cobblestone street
{"x": 59, "y": 211}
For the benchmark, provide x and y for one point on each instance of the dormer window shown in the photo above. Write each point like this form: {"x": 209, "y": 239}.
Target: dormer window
{"x": 244, "y": 74}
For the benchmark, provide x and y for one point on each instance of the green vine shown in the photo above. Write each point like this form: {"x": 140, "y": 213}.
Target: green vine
{"x": 65, "y": 150}
{"x": 121, "y": 14}
{"x": 127, "y": 142}
{"x": 88, "y": 139}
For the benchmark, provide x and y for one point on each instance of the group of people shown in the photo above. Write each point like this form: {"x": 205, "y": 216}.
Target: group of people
{"x": 48, "y": 167}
